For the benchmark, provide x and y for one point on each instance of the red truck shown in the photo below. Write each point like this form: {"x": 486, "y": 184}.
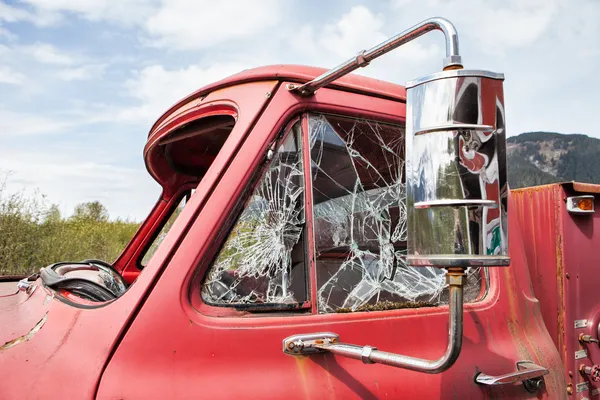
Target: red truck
{"x": 325, "y": 235}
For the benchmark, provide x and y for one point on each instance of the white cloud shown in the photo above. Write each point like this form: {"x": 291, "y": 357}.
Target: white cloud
{"x": 128, "y": 12}
{"x": 157, "y": 88}
{"x": 82, "y": 73}
{"x": 9, "y": 76}
{"x": 14, "y": 123}
{"x": 13, "y": 14}
{"x": 186, "y": 25}
{"x": 357, "y": 29}
{"x": 8, "y": 35}
{"x": 494, "y": 26}
{"x": 68, "y": 178}
{"x": 47, "y": 54}
{"x": 360, "y": 29}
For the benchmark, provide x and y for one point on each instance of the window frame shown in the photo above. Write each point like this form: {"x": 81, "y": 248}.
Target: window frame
{"x": 228, "y": 227}
{"x": 310, "y": 263}
{"x": 185, "y": 190}
{"x": 283, "y": 108}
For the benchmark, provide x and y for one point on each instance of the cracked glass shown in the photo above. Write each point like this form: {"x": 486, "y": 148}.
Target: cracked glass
{"x": 359, "y": 227}
{"x": 359, "y": 218}
{"x": 262, "y": 261}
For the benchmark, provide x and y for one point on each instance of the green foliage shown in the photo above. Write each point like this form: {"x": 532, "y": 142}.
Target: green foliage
{"x": 33, "y": 234}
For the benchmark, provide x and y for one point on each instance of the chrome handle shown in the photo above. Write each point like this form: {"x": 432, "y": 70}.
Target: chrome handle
{"x": 527, "y": 372}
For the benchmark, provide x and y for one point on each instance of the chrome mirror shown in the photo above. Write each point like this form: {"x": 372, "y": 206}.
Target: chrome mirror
{"x": 456, "y": 170}
{"x": 455, "y": 180}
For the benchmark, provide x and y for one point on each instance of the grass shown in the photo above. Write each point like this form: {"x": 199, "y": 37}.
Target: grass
{"x": 34, "y": 234}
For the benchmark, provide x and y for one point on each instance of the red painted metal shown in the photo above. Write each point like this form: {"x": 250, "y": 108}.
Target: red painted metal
{"x": 159, "y": 340}
{"x": 561, "y": 250}
{"x": 68, "y": 354}
{"x": 291, "y": 73}
{"x": 208, "y": 352}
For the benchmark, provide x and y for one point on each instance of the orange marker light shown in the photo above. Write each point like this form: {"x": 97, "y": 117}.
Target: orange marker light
{"x": 580, "y": 204}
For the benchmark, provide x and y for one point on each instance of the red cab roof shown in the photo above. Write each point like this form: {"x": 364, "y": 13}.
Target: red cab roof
{"x": 299, "y": 74}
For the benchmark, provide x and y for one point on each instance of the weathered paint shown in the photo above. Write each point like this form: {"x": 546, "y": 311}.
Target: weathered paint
{"x": 247, "y": 349}
{"x": 561, "y": 250}
{"x": 159, "y": 340}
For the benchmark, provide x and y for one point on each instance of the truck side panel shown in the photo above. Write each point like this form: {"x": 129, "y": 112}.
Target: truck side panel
{"x": 562, "y": 253}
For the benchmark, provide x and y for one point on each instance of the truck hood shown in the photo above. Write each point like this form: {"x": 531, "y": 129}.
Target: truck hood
{"x": 22, "y": 314}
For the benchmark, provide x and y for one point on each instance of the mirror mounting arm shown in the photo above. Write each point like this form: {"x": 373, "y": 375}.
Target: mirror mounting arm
{"x": 364, "y": 57}
{"x": 307, "y": 344}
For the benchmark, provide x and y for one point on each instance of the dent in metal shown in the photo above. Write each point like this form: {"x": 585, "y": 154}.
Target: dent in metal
{"x": 26, "y": 337}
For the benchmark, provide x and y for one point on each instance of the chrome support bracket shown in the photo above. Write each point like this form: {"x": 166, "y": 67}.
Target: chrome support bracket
{"x": 313, "y": 343}
{"x": 307, "y": 344}
{"x": 364, "y": 57}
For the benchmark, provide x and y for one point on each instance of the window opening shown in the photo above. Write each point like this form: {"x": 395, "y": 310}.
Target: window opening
{"x": 263, "y": 260}
{"x": 165, "y": 229}
{"x": 359, "y": 197}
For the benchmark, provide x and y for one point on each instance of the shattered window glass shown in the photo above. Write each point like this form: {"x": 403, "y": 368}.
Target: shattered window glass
{"x": 262, "y": 262}
{"x": 359, "y": 212}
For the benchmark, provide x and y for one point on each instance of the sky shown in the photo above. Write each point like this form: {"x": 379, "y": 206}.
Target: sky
{"x": 82, "y": 81}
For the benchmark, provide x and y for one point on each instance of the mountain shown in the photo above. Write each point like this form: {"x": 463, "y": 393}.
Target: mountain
{"x": 538, "y": 158}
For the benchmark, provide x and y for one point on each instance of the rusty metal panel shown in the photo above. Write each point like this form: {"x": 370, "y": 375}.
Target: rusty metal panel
{"x": 540, "y": 237}
{"x": 585, "y": 187}
{"x": 562, "y": 256}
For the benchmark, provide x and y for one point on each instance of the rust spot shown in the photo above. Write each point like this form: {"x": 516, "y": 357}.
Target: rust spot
{"x": 25, "y": 338}
{"x": 560, "y": 288}
{"x": 301, "y": 364}
{"x": 586, "y": 187}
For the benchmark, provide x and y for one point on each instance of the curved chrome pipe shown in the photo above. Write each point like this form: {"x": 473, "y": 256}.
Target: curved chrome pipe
{"x": 328, "y": 342}
{"x": 363, "y": 58}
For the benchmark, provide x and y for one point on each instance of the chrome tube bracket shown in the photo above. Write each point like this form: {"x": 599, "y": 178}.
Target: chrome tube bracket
{"x": 313, "y": 343}
{"x": 364, "y": 57}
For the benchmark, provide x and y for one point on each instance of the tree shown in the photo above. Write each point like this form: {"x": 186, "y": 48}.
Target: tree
{"x": 52, "y": 215}
{"x": 91, "y": 211}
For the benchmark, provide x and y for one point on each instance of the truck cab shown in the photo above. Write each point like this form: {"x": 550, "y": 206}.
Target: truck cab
{"x": 298, "y": 251}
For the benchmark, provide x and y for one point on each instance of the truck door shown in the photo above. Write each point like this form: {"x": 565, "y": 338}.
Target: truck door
{"x": 306, "y": 232}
